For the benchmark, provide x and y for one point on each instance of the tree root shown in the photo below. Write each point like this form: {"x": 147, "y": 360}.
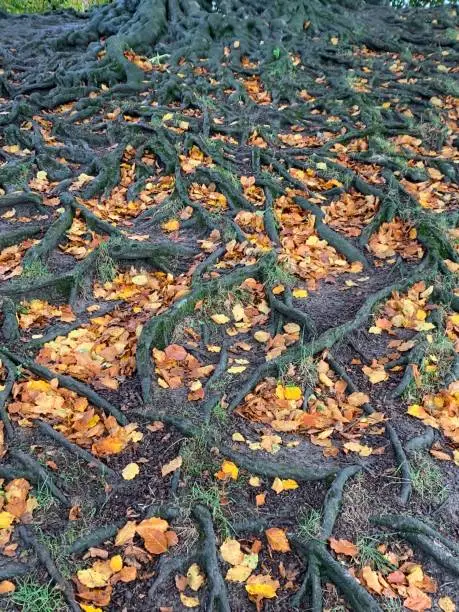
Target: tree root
{"x": 218, "y": 596}
{"x": 354, "y": 593}
{"x": 45, "y": 559}
{"x": 269, "y": 468}
{"x": 421, "y": 442}
{"x": 76, "y": 450}
{"x": 95, "y": 538}
{"x": 14, "y": 569}
{"x": 5, "y": 393}
{"x": 41, "y": 475}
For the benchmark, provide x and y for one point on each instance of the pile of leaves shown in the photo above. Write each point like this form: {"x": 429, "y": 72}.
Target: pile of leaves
{"x": 72, "y": 415}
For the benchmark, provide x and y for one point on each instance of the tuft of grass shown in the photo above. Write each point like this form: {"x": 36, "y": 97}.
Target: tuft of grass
{"x": 392, "y": 604}
{"x": 58, "y": 548}
{"x": 370, "y": 555}
{"x": 44, "y": 497}
{"x": 427, "y": 479}
{"x": 35, "y": 269}
{"x": 210, "y": 497}
{"x": 196, "y": 458}
{"x": 105, "y": 266}
{"x": 41, "y": 6}
{"x": 309, "y": 524}
{"x": 278, "y": 275}
{"x": 31, "y": 596}
{"x": 220, "y": 413}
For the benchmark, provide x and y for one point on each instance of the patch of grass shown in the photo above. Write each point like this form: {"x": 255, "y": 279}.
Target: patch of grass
{"x": 427, "y": 479}
{"x": 392, "y": 604}
{"x": 41, "y": 6}
{"x": 278, "y": 275}
{"x": 220, "y": 413}
{"x": 309, "y": 524}
{"x": 31, "y": 596}
{"x": 196, "y": 458}
{"x": 370, "y": 555}
{"x": 35, "y": 269}
{"x": 58, "y": 545}
{"x": 210, "y": 497}
{"x": 44, "y": 497}
{"x": 106, "y": 268}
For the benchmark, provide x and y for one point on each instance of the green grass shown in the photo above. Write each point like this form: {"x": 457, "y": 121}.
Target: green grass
{"x": 35, "y": 269}
{"x": 427, "y": 479}
{"x": 31, "y": 596}
{"x": 370, "y": 555}
{"x": 309, "y": 524}
{"x": 210, "y": 497}
{"x": 41, "y": 6}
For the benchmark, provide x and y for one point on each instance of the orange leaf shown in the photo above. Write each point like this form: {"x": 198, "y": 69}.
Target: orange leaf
{"x": 344, "y": 547}
{"x": 277, "y": 539}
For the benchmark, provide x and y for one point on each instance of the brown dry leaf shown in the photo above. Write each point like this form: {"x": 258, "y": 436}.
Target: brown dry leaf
{"x": 126, "y": 534}
{"x": 344, "y": 547}
{"x": 277, "y": 539}
{"x": 172, "y": 466}
{"x": 371, "y": 579}
{"x": 417, "y": 600}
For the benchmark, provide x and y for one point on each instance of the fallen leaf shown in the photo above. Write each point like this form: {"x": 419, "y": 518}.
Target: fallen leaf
{"x": 277, "y": 539}
{"x": 172, "y": 466}
{"x": 194, "y": 577}
{"x": 344, "y": 547}
{"x": 189, "y": 602}
{"x": 371, "y": 579}
{"x": 220, "y": 319}
{"x": 284, "y": 485}
{"x": 7, "y": 587}
{"x": 130, "y": 471}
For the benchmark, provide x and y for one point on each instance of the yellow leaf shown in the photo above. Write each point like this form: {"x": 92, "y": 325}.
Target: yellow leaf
{"x": 375, "y": 375}
{"x": 88, "y": 608}
{"x": 130, "y": 471}
{"x": 140, "y": 279}
{"x": 220, "y": 319}
{"x": 171, "y": 226}
{"x": 239, "y": 573}
{"x": 292, "y": 393}
{"x": 237, "y": 437}
{"x": 228, "y": 470}
{"x": 375, "y": 330}
{"x": 125, "y": 534}
{"x": 261, "y": 336}
{"x": 172, "y": 466}
{"x": 194, "y": 577}
{"x": 231, "y": 552}
{"x": 254, "y": 481}
{"x": 300, "y": 293}
{"x": 189, "y": 602}
{"x": 116, "y": 563}
{"x": 167, "y": 117}
{"x": 361, "y": 449}
{"x": 91, "y": 578}
{"x": 334, "y": 40}
{"x": 236, "y": 369}
{"x": 446, "y": 604}
{"x": 238, "y": 312}
{"x": 284, "y": 485}
{"x": 6, "y": 519}
{"x": 262, "y": 587}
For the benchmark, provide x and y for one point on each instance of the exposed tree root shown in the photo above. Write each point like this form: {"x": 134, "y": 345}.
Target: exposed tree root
{"x": 45, "y": 559}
